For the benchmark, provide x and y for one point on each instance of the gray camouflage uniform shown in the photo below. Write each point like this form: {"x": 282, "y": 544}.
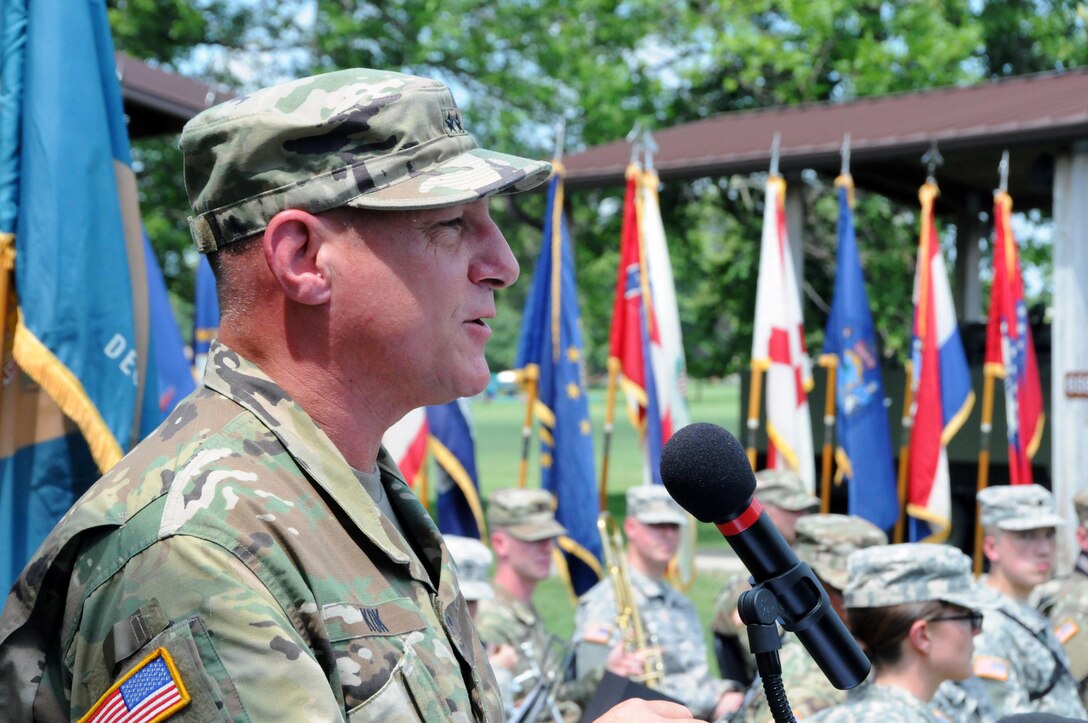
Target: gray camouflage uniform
{"x": 668, "y": 616}
{"x": 1069, "y": 613}
{"x": 235, "y": 546}
{"x": 825, "y": 543}
{"x": 1019, "y": 665}
{"x": 875, "y": 702}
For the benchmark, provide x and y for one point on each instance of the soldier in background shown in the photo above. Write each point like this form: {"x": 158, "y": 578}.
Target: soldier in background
{"x": 1019, "y": 665}
{"x": 825, "y": 542}
{"x": 785, "y": 498}
{"x": 652, "y": 527}
{"x": 1069, "y": 610}
{"x": 912, "y": 609}
{"x": 523, "y": 534}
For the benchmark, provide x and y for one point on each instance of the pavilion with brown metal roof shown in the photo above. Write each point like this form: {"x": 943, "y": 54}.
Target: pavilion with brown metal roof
{"x": 1040, "y": 119}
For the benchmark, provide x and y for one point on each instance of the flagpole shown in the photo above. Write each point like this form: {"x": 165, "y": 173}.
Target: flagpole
{"x": 988, "y": 377}
{"x": 983, "y": 459}
{"x": 7, "y": 265}
{"x": 529, "y": 384}
{"x": 754, "y": 392}
{"x": 904, "y": 453}
{"x": 830, "y": 363}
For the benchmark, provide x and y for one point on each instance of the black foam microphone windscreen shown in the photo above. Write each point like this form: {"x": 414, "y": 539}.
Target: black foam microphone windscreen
{"x": 706, "y": 470}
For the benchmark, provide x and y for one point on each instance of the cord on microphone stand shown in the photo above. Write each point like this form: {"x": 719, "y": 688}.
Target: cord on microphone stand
{"x": 759, "y": 609}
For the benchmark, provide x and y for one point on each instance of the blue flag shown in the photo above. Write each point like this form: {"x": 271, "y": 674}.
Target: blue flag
{"x": 205, "y": 315}
{"x": 453, "y": 445}
{"x": 68, "y": 206}
{"x": 175, "y": 375}
{"x": 864, "y": 451}
{"x": 550, "y": 349}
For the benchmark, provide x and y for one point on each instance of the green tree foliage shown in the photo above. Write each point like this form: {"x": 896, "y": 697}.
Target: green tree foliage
{"x": 518, "y": 67}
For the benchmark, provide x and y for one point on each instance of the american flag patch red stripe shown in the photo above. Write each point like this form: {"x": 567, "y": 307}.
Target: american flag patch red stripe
{"x": 150, "y": 692}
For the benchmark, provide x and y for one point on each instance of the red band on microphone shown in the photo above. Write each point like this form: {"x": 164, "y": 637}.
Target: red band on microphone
{"x": 743, "y": 521}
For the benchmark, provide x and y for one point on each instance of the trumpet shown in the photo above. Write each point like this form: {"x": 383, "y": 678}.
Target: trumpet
{"x": 628, "y": 619}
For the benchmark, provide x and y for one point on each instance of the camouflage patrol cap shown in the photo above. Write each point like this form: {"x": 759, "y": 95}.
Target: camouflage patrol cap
{"x": 652, "y": 505}
{"x": 473, "y": 562}
{"x": 826, "y": 541}
{"x": 1018, "y": 507}
{"x": 1080, "y": 503}
{"x": 908, "y": 573}
{"x": 361, "y": 138}
{"x": 528, "y": 515}
{"x": 784, "y": 488}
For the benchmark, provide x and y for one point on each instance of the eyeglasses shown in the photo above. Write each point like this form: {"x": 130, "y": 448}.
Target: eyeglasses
{"x": 974, "y": 616}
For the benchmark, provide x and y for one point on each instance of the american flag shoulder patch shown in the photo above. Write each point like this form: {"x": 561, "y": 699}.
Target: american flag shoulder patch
{"x": 989, "y": 666}
{"x": 598, "y": 633}
{"x": 1066, "y": 630}
{"x": 151, "y": 692}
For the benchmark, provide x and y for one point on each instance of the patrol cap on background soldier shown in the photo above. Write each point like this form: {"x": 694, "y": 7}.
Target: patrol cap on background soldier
{"x": 785, "y": 498}
{"x": 826, "y": 543}
{"x": 472, "y": 560}
{"x": 652, "y": 505}
{"x": 527, "y": 514}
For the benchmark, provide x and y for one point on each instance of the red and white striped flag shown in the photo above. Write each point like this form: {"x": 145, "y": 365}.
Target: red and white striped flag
{"x": 778, "y": 345}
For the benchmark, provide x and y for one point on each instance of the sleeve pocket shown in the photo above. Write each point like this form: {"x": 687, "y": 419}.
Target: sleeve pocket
{"x": 199, "y": 673}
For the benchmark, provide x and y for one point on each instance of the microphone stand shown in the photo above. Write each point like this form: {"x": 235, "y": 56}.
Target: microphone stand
{"x": 759, "y": 610}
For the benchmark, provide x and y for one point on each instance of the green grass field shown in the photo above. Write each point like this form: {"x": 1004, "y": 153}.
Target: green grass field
{"x": 498, "y": 448}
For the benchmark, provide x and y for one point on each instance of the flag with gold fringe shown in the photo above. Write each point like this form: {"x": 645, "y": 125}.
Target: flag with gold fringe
{"x": 78, "y": 340}
{"x": 550, "y": 350}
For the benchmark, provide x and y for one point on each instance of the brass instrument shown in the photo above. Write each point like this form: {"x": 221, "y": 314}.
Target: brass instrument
{"x": 628, "y": 619}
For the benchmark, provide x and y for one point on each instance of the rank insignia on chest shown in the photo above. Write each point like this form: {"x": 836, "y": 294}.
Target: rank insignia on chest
{"x": 151, "y": 692}
{"x": 988, "y": 666}
{"x": 1066, "y": 630}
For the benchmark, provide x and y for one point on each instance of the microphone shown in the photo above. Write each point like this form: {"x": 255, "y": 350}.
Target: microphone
{"x": 706, "y": 471}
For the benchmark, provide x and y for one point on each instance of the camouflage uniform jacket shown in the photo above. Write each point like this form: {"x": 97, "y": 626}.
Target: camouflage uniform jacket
{"x": 1019, "y": 666}
{"x": 505, "y": 620}
{"x": 1069, "y": 618}
{"x": 671, "y": 623}
{"x": 876, "y": 702}
{"x": 237, "y": 539}
{"x": 806, "y": 686}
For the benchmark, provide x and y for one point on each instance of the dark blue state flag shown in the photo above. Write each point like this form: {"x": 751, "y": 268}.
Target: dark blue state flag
{"x": 550, "y": 349}
{"x": 864, "y": 453}
{"x": 175, "y": 374}
{"x": 453, "y": 445}
{"x": 79, "y": 377}
{"x": 205, "y": 315}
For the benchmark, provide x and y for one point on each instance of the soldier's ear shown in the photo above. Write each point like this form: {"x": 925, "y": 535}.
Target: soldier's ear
{"x": 292, "y": 244}
{"x": 918, "y": 637}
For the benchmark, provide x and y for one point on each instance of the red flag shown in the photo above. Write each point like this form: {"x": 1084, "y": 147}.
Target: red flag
{"x": 1010, "y": 353}
{"x": 634, "y": 328}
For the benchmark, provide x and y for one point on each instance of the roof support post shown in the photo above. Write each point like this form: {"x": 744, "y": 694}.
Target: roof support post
{"x": 1069, "y": 343}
